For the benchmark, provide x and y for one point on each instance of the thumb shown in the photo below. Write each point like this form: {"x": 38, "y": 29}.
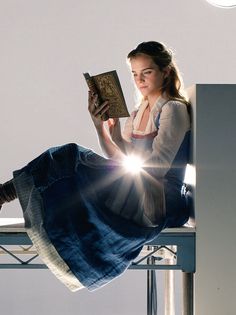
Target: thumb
{"x": 110, "y": 122}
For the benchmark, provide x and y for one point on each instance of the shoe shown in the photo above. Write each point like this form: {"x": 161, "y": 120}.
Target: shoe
{"x": 1, "y": 203}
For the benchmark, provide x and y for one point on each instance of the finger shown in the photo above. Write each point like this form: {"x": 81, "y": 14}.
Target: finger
{"x": 90, "y": 98}
{"x": 101, "y": 112}
{"x": 101, "y": 108}
{"x": 92, "y": 95}
{"x": 104, "y": 110}
{"x": 93, "y": 102}
{"x": 110, "y": 122}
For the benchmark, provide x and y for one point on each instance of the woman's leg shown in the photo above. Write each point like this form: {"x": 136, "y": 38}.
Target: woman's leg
{"x": 7, "y": 192}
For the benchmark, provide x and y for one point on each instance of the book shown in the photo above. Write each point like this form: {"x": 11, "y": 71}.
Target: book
{"x": 107, "y": 86}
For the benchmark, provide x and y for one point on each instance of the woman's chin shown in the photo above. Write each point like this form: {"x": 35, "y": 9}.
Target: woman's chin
{"x": 144, "y": 93}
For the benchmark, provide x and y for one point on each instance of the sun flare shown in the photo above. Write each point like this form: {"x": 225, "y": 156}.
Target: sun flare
{"x": 133, "y": 164}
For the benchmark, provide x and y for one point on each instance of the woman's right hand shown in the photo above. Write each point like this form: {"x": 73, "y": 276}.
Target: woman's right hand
{"x": 95, "y": 109}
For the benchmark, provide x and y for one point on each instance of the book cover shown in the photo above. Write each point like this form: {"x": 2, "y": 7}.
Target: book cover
{"x": 107, "y": 86}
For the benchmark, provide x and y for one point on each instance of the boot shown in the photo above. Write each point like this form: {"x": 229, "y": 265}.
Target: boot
{"x": 7, "y": 192}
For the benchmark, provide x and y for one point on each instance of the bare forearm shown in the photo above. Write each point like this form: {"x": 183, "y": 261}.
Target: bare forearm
{"x": 96, "y": 111}
{"x": 109, "y": 148}
{"x": 125, "y": 146}
{"x": 116, "y": 135}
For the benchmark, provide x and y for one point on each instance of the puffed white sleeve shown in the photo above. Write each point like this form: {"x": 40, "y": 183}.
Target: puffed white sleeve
{"x": 173, "y": 125}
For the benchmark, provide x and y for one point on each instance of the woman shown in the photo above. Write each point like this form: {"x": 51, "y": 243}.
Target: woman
{"x": 87, "y": 216}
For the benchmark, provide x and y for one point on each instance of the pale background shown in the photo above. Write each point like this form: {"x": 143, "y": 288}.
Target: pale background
{"x": 45, "y": 47}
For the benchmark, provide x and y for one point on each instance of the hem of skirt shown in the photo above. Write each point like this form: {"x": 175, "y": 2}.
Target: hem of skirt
{"x": 32, "y": 206}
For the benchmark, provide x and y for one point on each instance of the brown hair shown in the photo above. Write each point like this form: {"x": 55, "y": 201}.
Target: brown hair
{"x": 162, "y": 57}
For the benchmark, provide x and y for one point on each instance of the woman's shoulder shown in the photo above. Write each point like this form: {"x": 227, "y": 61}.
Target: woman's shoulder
{"x": 176, "y": 103}
{"x": 176, "y": 112}
{"x": 173, "y": 105}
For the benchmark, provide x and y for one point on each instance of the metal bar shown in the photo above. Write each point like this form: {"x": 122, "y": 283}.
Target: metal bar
{"x": 151, "y": 289}
{"x": 12, "y": 255}
{"x": 31, "y": 259}
{"x": 22, "y": 252}
{"x": 188, "y": 293}
{"x": 149, "y": 292}
{"x": 19, "y": 252}
{"x": 155, "y": 267}
{"x": 23, "y": 266}
{"x": 169, "y": 297}
{"x": 157, "y": 248}
{"x": 183, "y": 238}
{"x": 15, "y": 239}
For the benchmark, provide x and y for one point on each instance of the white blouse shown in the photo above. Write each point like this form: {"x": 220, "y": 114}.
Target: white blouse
{"x": 173, "y": 124}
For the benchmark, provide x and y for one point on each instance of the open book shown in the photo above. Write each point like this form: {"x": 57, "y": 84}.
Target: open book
{"x": 107, "y": 86}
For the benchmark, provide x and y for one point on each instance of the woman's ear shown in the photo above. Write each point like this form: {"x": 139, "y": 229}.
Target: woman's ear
{"x": 166, "y": 72}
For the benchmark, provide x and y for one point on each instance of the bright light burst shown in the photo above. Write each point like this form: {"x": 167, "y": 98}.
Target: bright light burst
{"x": 133, "y": 164}
{"x": 190, "y": 175}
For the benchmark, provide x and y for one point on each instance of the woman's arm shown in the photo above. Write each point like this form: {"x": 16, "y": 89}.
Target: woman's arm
{"x": 174, "y": 123}
{"x": 109, "y": 148}
{"x": 116, "y": 136}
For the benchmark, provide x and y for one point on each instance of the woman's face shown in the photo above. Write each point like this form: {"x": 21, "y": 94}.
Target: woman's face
{"x": 147, "y": 76}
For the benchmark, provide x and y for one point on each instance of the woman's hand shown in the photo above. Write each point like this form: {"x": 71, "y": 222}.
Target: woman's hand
{"x": 95, "y": 109}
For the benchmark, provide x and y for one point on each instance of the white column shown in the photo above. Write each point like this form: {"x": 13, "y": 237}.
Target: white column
{"x": 215, "y": 198}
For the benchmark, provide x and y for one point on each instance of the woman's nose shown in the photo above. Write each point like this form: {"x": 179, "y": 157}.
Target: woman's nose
{"x": 140, "y": 77}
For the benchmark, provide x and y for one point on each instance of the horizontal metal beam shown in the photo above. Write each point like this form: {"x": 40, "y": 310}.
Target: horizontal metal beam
{"x": 182, "y": 238}
{"x": 23, "y": 266}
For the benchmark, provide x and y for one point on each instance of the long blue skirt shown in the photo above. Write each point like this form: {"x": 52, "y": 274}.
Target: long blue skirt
{"x": 65, "y": 195}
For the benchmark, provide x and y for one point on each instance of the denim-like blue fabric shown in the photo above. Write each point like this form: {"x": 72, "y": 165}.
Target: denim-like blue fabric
{"x": 97, "y": 244}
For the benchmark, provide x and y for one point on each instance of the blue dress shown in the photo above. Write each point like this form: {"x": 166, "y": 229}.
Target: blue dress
{"x": 66, "y": 194}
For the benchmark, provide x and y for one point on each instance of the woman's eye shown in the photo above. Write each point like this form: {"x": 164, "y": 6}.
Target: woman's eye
{"x": 147, "y": 72}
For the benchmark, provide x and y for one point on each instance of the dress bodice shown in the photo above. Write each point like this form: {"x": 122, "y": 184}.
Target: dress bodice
{"x": 176, "y": 172}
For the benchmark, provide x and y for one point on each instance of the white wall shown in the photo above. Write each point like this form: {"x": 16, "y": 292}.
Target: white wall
{"x": 45, "y": 47}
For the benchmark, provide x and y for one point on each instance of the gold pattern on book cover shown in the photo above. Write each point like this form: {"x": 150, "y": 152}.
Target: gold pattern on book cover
{"x": 109, "y": 88}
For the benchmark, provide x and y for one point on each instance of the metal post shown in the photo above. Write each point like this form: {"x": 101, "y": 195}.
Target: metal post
{"x": 169, "y": 299}
{"x": 150, "y": 292}
{"x": 151, "y": 289}
{"x": 188, "y": 295}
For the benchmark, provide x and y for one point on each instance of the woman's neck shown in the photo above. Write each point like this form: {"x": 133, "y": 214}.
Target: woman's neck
{"x": 152, "y": 100}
